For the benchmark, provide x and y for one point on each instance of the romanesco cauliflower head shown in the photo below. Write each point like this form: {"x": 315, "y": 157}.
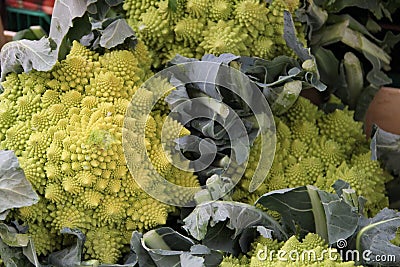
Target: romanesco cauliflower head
{"x": 310, "y": 151}
{"x": 197, "y": 27}
{"x": 66, "y": 127}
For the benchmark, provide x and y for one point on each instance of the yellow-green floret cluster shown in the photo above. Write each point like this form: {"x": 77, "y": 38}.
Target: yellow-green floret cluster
{"x": 396, "y": 239}
{"x": 311, "y": 251}
{"x": 314, "y": 148}
{"x": 65, "y": 126}
{"x": 197, "y": 27}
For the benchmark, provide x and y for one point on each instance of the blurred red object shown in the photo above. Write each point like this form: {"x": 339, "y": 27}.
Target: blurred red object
{"x": 45, "y": 6}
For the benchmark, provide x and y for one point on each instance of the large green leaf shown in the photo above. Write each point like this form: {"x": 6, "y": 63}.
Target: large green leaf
{"x": 15, "y": 189}
{"x": 294, "y": 204}
{"x": 99, "y": 9}
{"x": 221, "y": 223}
{"x": 289, "y": 35}
{"x": 215, "y": 102}
{"x": 43, "y": 54}
{"x": 144, "y": 259}
{"x": 71, "y": 256}
{"x": 352, "y": 68}
{"x": 116, "y": 33}
{"x": 328, "y": 66}
{"x": 27, "y": 55}
{"x": 17, "y": 249}
{"x": 61, "y": 20}
{"x": 279, "y": 81}
{"x": 334, "y": 33}
{"x": 374, "y": 239}
{"x": 385, "y": 147}
{"x": 191, "y": 260}
{"x": 167, "y": 248}
{"x": 364, "y": 101}
{"x": 10, "y": 237}
{"x": 308, "y": 209}
{"x": 13, "y": 256}
{"x": 70, "y": 21}
{"x": 375, "y": 6}
{"x": 341, "y": 220}
{"x": 313, "y": 16}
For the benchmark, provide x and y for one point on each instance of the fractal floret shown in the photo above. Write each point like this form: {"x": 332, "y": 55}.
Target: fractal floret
{"x": 312, "y": 250}
{"x": 65, "y": 126}
{"x": 314, "y": 148}
{"x": 242, "y": 27}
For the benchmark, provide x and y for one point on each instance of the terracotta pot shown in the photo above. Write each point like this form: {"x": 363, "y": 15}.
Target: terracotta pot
{"x": 384, "y": 111}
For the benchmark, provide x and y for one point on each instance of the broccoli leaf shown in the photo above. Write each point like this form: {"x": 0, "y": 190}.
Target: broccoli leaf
{"x": 10, "y": 236}
{"x": 328, "y": 66}
{"x": 41, "y": 55}
{"x": 63, "y": 14}
{"x": 364, "y": 101}
{"x": 290, "y": 37}
{"x": 190, "y": 260}
{"x": 352, "y": 30}
{"x": 16, "y": 249}
{"x": 313, "y": 16}
{"x": 70, "y": 256}
{"x": 3, "y": 215}
{"x": 294, "y": 204}
{"x": 13, "y": 256}
{"x": 264, "y": 71}
{"x": 70, "y": 21}
{"x": 374, "y": 239}
{"x": 98, "y": 9}
{"x": 116, "y": 33}
{"x": 220, "y": 237}
{"x": 166, "y": 247}
{"x": 314, "y": 210}
{"x": 341, "y": 220}
{"x": 351, "y": 66}
{"x": 375, "y": 6}
{"x": 15, "y": 189}
{"x": 376, "y": 76}
{"x": 223, "y": 222}
{"x": 211, "y": 89}
{"x": 385, "y": 147}
{"x": 225, "y": 58}
{"x": 309, "y": 64}
{"x": 28, "y": 55}
{"x": 144, "y": 259}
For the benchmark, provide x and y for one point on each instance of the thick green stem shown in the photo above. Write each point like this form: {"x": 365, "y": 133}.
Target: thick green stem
{"x": 153, "y": 240}
{"x": 354, "y": 77}
{"x": 342, "y": 32}
{"x": 318, "y": 212}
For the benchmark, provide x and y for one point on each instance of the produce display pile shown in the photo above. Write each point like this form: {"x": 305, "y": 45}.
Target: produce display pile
{"x": 198, "y": 27}
{"x": 74, "y": 186}
{"x": 318, "y": 148}
{"x": 66, "y": 128}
